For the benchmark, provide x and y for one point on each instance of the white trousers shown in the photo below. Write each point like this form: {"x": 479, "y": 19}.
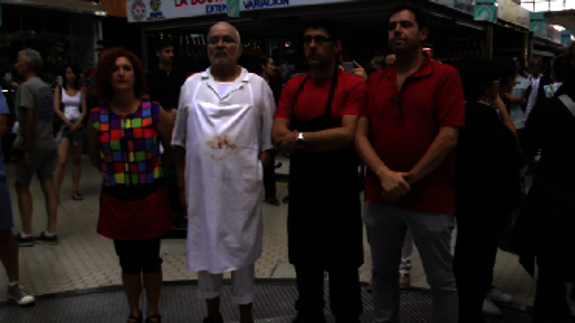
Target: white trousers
{"x": 243, "y": 282}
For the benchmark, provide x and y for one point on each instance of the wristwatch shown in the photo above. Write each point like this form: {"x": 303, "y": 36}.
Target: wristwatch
{"x": 300, "y": 140}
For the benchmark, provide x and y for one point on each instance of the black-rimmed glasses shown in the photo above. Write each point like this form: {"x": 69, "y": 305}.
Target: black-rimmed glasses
{"x": 227, "y": 41}
{"x": 320, "y": 40}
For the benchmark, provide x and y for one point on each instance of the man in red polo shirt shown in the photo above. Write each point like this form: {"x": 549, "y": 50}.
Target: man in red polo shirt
{"x": 316, "y": 124}
{"x": 407, "y": 140}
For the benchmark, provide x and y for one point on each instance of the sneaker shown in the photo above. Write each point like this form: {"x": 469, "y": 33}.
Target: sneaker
{"x": 498, "y": 296}
{"x": 25, "y": 242}
{"x": 490, "y": 309}
{"x": 404, "y": 281}
{"x": 273, "y": 201}
{"x": 19, "y": 295}
{"x": 51, "y": 240}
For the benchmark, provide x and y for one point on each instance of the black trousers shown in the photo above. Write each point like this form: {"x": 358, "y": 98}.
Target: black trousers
{"x": 478, "y": 238}
{"x": 344, "y": 291}
{"x": 550, "y": 304}
{"x": 139, "y": 256}
{"x": 270, "y": 179}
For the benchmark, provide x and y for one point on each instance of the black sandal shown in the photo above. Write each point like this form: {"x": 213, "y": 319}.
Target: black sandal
{"x": 132, "y": 319}
{"x": 77, "y": 196}
{"x": 157, "y": 318}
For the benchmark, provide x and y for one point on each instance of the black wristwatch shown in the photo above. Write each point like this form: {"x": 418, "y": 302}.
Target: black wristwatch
{"x": 300, "y": 140}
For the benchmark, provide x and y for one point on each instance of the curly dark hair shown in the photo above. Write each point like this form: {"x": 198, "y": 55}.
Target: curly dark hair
{"x": 106, "y": 69}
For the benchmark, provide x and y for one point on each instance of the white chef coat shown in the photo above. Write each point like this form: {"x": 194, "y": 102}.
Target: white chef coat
{"x": 224, "y": 137}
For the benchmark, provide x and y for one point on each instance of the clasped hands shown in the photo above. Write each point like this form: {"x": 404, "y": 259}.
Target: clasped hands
{"x": 395, "y": 185}
{"x": 288, "y": 144}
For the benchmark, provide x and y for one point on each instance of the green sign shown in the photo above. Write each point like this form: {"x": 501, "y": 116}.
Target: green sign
{"x": 485, "y": 12}
{"x": 234, "y": 8}
{"x": 538, "y": 25}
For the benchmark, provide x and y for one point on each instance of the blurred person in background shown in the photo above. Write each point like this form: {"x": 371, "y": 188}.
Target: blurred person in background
{"x": 125, "y": 135}
{"x": 71, "y": 107}
{"x": 165, "y": 82}
{"x": 37, "y": 147}
{"x": 518, "y": 98}
{"x": 266, "y": 68}
{"x": 488, "y": 160}
{"x": 9, "y": 253}
{"x": 544, "y": 231}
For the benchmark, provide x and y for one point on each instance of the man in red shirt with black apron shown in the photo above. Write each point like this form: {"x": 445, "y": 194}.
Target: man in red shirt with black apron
{"x": 415, "y": 110}
{"x": 315, "y": 124}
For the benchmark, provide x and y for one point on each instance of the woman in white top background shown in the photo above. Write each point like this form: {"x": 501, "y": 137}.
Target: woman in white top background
{"x": 71, "y": 109}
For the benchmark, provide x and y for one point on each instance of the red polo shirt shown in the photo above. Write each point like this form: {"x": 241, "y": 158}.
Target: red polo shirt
{"x": 349, "y": 99}
{"x": 431, "y": 98}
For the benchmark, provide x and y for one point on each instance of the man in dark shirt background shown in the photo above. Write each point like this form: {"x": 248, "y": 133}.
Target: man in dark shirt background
{"x": 165, "y": 82}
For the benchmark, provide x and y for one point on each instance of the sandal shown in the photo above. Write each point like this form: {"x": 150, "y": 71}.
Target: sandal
{"x": 155, "y": 318}
{"x": 77, "y": 196}
{"x": 133, "y": 319}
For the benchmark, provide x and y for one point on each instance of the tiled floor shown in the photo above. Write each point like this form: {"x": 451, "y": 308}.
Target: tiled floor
{"x": 85, "y": 260}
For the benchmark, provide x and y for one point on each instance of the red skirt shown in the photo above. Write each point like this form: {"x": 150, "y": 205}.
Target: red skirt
{"x": 134, "y": 213}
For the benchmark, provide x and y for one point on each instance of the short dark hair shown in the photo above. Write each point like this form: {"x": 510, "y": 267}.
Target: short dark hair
{"x": 329, "y": 26}
{"x": 507, "y": 68}
{"x": 475, "y": 75}
{"x": 538, "y": 58}
{"x": 420, "y": 16}
{"x": 107, "y": 44}
{"x": 76, "y": 70}
{"x": 163, "y": 43}
{"x": 262, "y": 60}
{"x": 106, "y": 68}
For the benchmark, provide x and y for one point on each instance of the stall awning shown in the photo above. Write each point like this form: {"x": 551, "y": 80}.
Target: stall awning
{"x": 77, "y": 6}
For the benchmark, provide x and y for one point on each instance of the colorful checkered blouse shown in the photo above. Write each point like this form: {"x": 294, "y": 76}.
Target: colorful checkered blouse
{"x": 129, "y": 145}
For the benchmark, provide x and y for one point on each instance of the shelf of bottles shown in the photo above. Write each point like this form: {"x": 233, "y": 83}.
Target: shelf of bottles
{"x": 456, "y": 52}
{"x": 191, "y": 50}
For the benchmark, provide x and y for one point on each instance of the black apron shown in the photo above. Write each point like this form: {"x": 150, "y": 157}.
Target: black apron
{"x": 324, "y": 216}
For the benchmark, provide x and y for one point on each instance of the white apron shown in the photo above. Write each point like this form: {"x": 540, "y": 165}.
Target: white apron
{"x": 224, "y": 176}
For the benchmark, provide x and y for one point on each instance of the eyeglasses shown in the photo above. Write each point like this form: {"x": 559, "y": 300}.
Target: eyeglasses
{"x": 227, "y": 41}
{"x": 399, "y": 107}
{"x": 320, "y": 40}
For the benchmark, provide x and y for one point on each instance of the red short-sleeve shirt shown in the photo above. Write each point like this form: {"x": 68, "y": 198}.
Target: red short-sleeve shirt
{"x": 350, "y": 98}
{"x": 431, "y": 98}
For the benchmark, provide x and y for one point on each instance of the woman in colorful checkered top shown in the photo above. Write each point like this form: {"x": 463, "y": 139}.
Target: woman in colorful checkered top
{"x": 125, "y": 139}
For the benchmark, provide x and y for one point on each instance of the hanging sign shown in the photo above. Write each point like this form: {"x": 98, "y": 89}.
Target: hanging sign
{"x": 486, "y": 10}
{"x": 152, "y": 10}
{"x": 234, "y": 8}
{"x": 566, "y": 37}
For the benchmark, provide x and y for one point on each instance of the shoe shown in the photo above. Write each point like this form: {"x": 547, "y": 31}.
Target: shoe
{"x": 320, "y": 318}
{"x": 490, "y": 309}
{"x": 154, "y": 319}
{"x": 210, "y": 320}
{"x": 273, "y": 201}
{"x": 19, "y": 295}
{"x": 498, "y": 296}
{"x": 53, "y": 240}
{"x": 286, "y": 200}
{"x": 25, "y": 242}
{"x": 404, "y": 281}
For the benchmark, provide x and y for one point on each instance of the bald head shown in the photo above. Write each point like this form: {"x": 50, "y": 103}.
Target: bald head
{"x": 223, "y": 24}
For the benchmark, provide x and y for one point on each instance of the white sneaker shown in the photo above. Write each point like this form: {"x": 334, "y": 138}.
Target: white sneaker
{"x": 490, "y": 309}
{"x": 498, "y": 296}
{"x": 19, "y": 295}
